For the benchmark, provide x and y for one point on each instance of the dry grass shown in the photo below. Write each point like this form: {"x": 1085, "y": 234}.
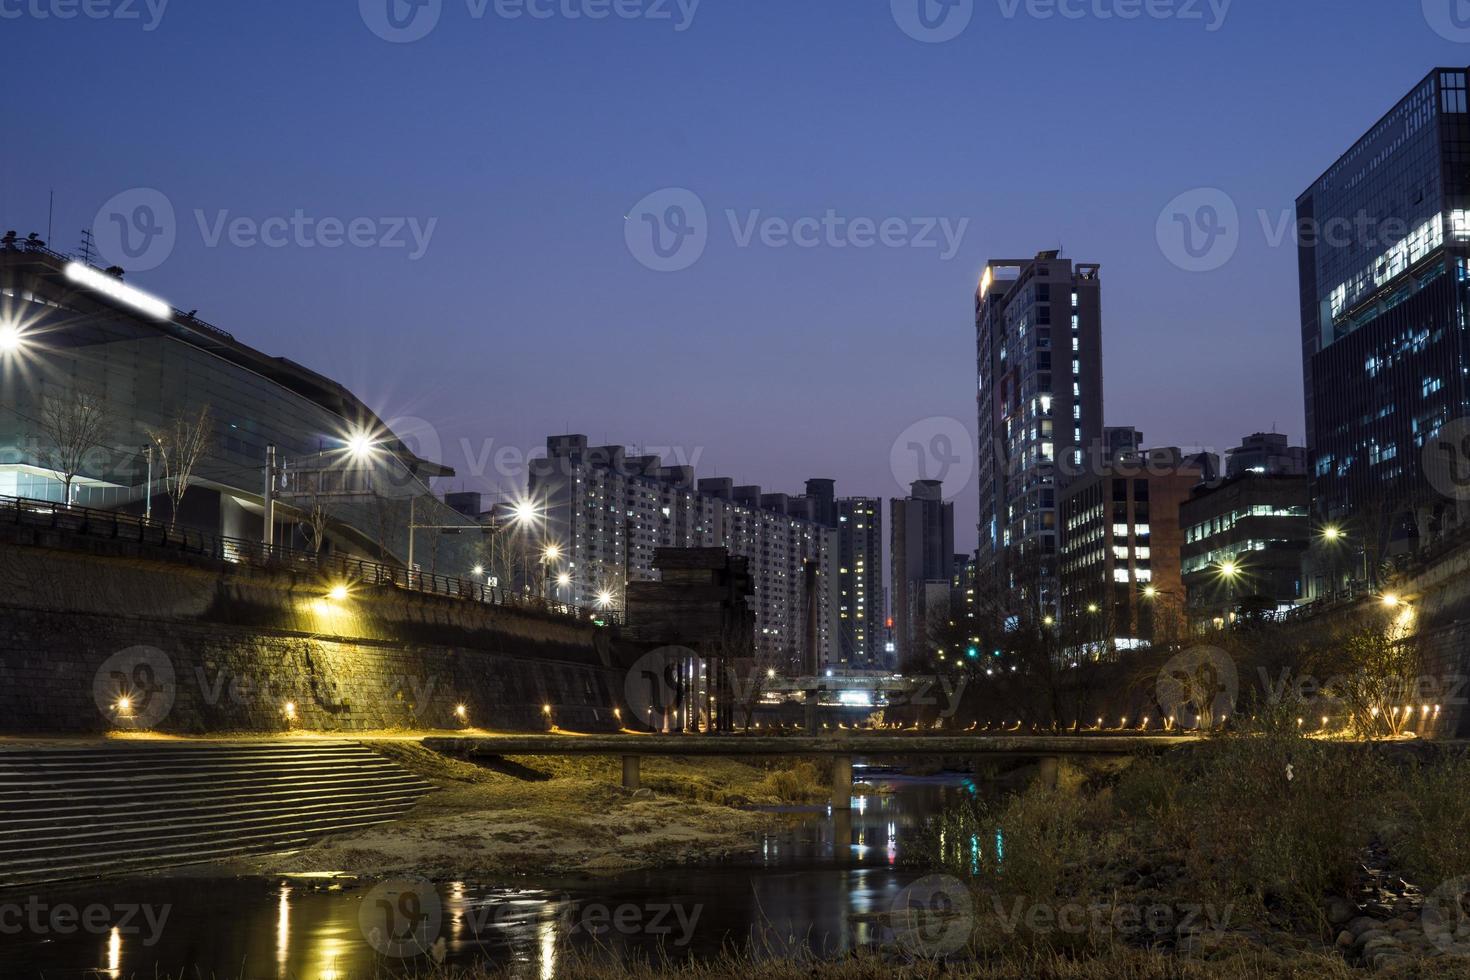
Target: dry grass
{"x": 555, "y": 814}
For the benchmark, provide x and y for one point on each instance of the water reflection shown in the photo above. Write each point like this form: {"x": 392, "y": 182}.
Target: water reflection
{"x": 824, "y": 883}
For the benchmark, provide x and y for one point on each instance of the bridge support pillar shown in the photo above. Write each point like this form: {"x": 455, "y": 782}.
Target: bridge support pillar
{"x": 842, "y": 783}
{"x": 632, "y": 772}
{"x": 1047, "y": 769}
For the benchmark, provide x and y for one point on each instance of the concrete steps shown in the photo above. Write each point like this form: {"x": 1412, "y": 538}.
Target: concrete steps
{"x": 69, "y": 812}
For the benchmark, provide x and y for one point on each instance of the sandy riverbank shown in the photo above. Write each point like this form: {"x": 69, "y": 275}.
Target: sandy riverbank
{"x": 550, "y": 815}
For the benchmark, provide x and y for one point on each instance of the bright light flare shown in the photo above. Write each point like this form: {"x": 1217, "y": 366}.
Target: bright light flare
{"x": 339, "y": 593}
{"x": 11, "y": 339}
{"x": 604, "y": 599}
{"x": 360, "y": 445}
{"x": 116, "y": 289}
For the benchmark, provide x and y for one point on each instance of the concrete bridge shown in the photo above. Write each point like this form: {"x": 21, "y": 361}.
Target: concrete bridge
{"x": 1047, "y": 749}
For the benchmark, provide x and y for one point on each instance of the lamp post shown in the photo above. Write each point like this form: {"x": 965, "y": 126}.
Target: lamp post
{"x": 148, "y": 485}
{"x": 1230, "y": 572}
{"x": 551, "y": 554}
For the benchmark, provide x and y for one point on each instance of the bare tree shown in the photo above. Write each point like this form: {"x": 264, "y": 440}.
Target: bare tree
{"x": 181, "y": 444}
{"x": 74, "y": 423}
{"x": 313, "y": 521}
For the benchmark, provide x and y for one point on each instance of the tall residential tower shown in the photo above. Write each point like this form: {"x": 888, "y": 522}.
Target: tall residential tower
{"x": 1038, "y": 334}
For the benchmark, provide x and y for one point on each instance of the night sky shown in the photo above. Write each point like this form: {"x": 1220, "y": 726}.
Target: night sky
{"x": 529, "y": 143}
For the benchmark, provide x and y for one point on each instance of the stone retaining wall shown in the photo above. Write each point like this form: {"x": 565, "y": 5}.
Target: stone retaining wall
{"x": 197, "y": 647}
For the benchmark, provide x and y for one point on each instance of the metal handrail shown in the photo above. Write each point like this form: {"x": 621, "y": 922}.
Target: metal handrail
{"x": 336, "y": 569}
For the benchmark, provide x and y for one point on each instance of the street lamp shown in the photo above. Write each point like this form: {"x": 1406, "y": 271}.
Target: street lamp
{"x": 549, "y": 556}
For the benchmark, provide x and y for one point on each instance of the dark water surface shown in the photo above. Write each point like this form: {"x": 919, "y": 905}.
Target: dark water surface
{"x": 796, "y": 891}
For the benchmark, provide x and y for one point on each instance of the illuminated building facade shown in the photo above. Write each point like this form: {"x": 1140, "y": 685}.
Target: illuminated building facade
{"x": 1038, "y": 332}
{"x": 1384, "y": 262}
{"x": 1121, "y": 584}
{"x": 860, "y": 579}
{"x": 75, "y": 332}
{"x": 1244, "y": 544}
{"x": 608, "y": 512}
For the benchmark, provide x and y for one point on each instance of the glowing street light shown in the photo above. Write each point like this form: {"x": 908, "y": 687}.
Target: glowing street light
{"x": 1229, "y": 569}
{"x": 1332, "y": 533}
{"x": 11, "y": 338}
{"x": 564, "y": 580}
{"x": 360, "y": 445}
{"x": 338, "y": 593}
{"x": 605, "y": 599}
{"x": 525, "y": 511}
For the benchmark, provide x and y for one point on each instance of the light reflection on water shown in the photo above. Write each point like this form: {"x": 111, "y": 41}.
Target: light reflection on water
{"x": 821, "y": 886}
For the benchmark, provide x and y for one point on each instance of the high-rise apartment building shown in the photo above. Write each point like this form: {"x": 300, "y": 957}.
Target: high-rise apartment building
{"x": 1038, "y": 330}
{"x": 607, "y": 512}
{"x": 1384, "y": 262}
{"x": 860, "y": 580}
{"x": 858, "y": 522}
{"x": 922, "y": 556}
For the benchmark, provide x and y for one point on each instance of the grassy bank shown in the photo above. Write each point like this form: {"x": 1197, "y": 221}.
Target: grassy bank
{"x": 1298, "y": 846}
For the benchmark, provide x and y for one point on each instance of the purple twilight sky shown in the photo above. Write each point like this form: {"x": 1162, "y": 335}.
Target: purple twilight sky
{"x": 521, "y": 146}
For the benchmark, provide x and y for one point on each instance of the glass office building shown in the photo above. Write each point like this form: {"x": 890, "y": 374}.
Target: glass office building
{"x": 1383, "y": 243}
{"x": 68, "y": 328}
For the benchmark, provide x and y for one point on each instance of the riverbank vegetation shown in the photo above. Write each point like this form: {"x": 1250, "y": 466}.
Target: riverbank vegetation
{"x": 1301, "y": 846}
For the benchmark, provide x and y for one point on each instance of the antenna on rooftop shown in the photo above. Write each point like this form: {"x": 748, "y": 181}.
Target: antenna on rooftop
{"x": 89, "y": 247}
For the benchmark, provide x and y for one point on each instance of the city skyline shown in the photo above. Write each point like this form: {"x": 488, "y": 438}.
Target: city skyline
{"x": 526, "y": 273}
